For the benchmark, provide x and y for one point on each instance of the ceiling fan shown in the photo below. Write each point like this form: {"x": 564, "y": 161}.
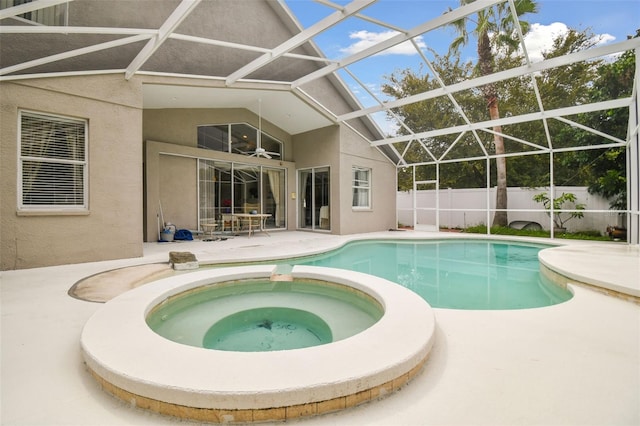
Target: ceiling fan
{"x": 260, "y": 151}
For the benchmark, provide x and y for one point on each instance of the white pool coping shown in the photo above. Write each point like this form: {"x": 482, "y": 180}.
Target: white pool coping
{"x": 119, "y": 346}
{"x": 618, "y": 269}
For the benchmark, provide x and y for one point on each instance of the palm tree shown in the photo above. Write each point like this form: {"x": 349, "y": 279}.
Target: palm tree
{"x": 495, "y": 29}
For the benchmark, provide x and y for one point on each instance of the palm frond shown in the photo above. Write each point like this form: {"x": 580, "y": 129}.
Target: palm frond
{"x": 458, "y": 43}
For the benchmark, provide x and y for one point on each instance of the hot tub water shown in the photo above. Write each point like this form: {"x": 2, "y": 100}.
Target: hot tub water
{"x": 267, "y": 329}
{"x": 260, "y": 315}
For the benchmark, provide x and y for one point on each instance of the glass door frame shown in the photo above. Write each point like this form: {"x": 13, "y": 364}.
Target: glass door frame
{"x": 302, "y": 216}
{"x": 234, "y": 204}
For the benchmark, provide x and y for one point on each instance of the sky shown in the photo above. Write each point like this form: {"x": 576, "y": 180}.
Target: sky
{"x": 608, "y": 20}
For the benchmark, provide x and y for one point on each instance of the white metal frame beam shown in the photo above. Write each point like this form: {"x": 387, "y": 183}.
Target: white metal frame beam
{"x": 73, "y": 53}
{"x": 363, "y": 17}
{"x": 583, "y": 55}
{"x": 299, "y": 39}
{"x": 44, "y": 29}
{"x": 633, "y": 161}
{"x": 398, "y": 39}
{"x": 175, "y": 19}
{"x": 246, "y": 47}
{"x": 598, "y": 106}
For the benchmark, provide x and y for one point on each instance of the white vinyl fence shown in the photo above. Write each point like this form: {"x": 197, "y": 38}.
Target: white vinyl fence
{"x": 461, "y": 208}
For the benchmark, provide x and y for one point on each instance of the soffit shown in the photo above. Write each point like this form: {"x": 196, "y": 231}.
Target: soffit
{"x": 281, "y": 108}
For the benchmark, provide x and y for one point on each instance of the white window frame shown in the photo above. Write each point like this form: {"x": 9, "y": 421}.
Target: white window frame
{"x": 264, "y": 136}
{"x": 53, "y": 207}
{"x": 359, "y": 185}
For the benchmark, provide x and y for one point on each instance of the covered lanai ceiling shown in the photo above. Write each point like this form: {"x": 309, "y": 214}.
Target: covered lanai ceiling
{"x": 278, "y": 73}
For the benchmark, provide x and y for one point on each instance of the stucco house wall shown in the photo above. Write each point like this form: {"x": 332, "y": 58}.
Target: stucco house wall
{"x": 110, "y": 228}
{"x": 178, "y": 189}
{"x": 321, "y": 148}
{"x": 340, "y": 148}
{"x": 381, "y": 214}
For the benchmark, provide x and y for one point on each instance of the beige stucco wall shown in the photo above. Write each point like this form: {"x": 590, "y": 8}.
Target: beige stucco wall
{"x": 178, "y": 182}
{"x": 382, "y": 214}
{"x": 321, "y": 148}
{"x": 111, "y": 227}
{"x": 339, "y": 148}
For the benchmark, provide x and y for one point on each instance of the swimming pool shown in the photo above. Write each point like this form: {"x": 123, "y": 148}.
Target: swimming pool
{"x": 460, "y": 274}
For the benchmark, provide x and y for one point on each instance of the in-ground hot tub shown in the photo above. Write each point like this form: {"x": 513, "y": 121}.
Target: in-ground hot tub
{"x": 264, "y": 315}
{"x": 140, "y": 366}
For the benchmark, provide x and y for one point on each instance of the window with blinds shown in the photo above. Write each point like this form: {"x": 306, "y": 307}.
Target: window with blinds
{"x": 361, "y": 187}
{"x": 52, "y": 171}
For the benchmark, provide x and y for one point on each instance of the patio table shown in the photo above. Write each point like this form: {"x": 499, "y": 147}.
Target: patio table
{"x": 249, "y": 217}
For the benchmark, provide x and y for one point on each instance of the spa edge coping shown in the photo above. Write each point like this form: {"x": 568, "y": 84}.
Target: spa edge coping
{"x": 156, "y": 368}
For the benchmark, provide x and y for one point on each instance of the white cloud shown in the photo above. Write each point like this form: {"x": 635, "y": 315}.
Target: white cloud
{"x": 365, "y": 39}
{"x": 540, "y": 38}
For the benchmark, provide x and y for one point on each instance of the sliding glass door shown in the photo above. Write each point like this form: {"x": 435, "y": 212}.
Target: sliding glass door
{"x": 214, "y": 189}
{"x": 313, "y": 200}
{"x": 226, "y": 188}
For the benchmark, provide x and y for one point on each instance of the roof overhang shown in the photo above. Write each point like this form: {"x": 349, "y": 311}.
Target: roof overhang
{"x": 282, "y": 108}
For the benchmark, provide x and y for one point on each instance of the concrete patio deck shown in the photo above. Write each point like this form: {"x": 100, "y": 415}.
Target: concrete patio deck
{"x": 576, "y": 363}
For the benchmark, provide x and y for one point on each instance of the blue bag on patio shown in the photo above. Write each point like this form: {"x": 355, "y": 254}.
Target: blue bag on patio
{"x": 183, "y": 234}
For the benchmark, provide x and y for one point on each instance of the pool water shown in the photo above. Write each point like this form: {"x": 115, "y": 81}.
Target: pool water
{"x": 259, "y": 315}
{"x": 461, "y": 274}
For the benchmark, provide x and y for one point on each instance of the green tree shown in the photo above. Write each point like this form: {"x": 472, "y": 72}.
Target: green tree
{"x": 495, "y": 29}
{"x": 559, "y": 87}
{"x": 438, "y": 113}
{"x": 572, "y": 84}
{"x": 615, "y": 80}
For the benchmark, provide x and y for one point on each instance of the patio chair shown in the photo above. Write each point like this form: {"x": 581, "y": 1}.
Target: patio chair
{"x": 250, "y": 223}
{"x": 230, "y": 222}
